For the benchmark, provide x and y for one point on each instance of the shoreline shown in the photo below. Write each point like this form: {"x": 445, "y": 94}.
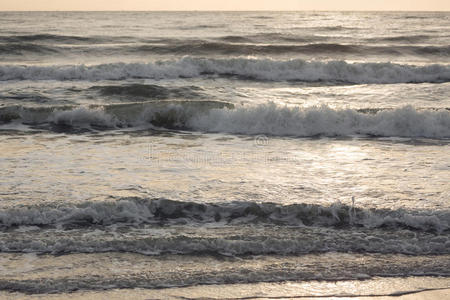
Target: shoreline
{"x": 376, "y": 288}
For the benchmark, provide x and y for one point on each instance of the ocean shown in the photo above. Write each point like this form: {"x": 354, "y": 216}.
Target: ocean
{"x": 260, "y": 152}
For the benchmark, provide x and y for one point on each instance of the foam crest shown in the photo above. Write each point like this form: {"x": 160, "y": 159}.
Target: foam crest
{"x": 84, "y": 117}
{"x": 257, "y": 69}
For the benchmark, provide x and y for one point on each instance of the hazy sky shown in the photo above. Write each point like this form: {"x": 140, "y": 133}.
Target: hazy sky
{"x": 225, "y": 5}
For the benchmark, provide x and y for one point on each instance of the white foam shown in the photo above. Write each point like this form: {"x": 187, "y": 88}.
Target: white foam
{"x": 83, "y": 117}
{"x": 260, "y": 69}
{"x": 285, "y": 121}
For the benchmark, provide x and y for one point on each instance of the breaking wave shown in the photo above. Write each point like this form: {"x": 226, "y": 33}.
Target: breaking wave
{"x": 256, "y": 69}
{"x": 170, "y": 114}
{"x": 136, "y": 211}
{"x": 216, "y": 116}
{"x": 284, "y": 121}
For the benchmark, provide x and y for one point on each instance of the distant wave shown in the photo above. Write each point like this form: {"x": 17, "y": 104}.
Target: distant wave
{"x": 198, "y": 27}
{"x": 310, "y": 39}
{"x": 256, "y": 69}
{"x": 269, "y": 44}
{"x": 42, "y": 38}
{"x": 162, "y": 211}
{"x": 26, "y": 48}
{"x": 266, "y": 37}
{"x": 403, "y": 38}
{"x": 216, "y": 116}
{"x": 48, "y": 38}
{"x": 205, "y": 47}
{"x": 326, "y": 28}
{"x": 272, "y": 37}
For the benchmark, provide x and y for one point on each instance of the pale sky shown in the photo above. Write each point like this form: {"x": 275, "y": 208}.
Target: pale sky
{"x": 433, "y": 5}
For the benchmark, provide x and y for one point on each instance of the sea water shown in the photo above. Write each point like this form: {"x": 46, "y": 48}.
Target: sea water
{"x": 154, "y": 150}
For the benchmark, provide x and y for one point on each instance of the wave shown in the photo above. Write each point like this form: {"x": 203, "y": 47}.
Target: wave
{"x": 326, "y": 28}
{"x": 216, "y": 116}
{"x": 149, "y": 91}
{"x": 137, "y": 211}
{"x": 34, "y": 97}
{"x": 256, "y": 69}
{"x": 415, "y": 38}
{"x": 237, "y": 245}
{"x": 272, "y": 37}
{"x": 21, "y": 48}
{"x": 161, "y": 226}
{"x": 198, "y": 27}
{"x": 169, "y": 113}
{"x": 302, "y": 40}
{"x": 49, "y": 38}
{"x": 204, "y": 47}
{"x": 44, "y": 37}
{"x": 283, "y": 121}
{"x": 236, "y": 39}
{"x": 245, "y": 48}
